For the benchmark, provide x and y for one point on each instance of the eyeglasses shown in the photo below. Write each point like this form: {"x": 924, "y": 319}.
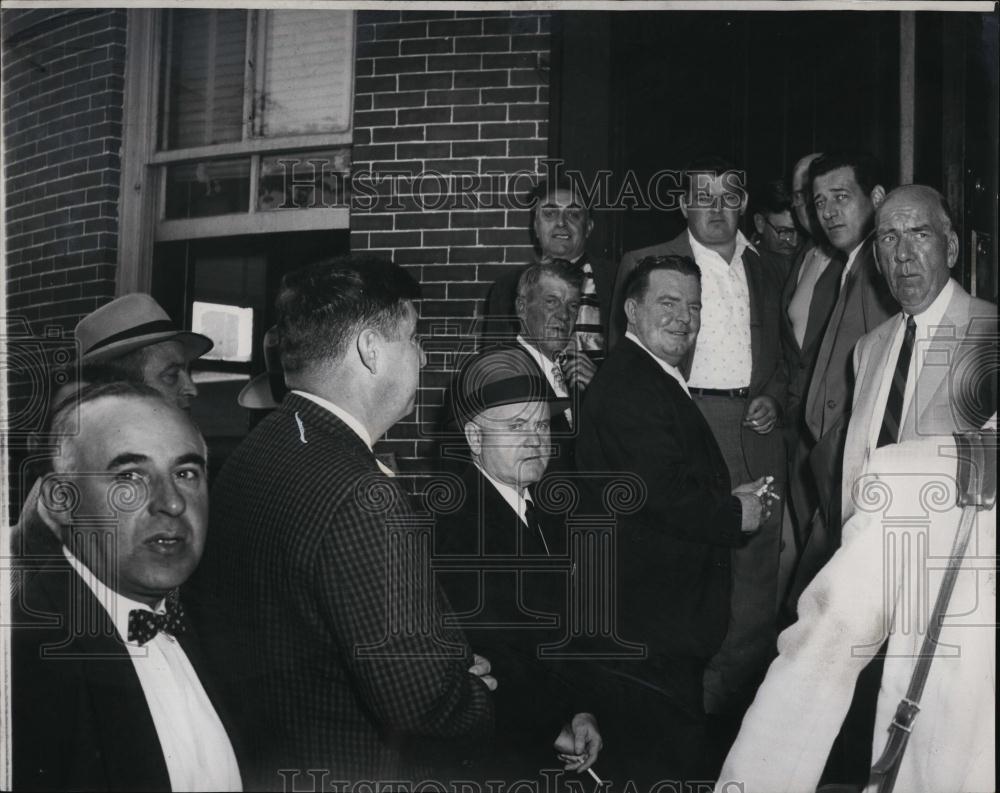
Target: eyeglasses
{"x": 785, "y": 234}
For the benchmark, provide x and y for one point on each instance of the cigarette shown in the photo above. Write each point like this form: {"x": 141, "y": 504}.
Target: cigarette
{"x": 595, "y": 777}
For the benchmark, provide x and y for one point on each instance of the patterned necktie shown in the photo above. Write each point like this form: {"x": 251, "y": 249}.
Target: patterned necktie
{"x": 894, "y": 404}
{"x": 144, "y": 624}
{"x": 589, "y": 335}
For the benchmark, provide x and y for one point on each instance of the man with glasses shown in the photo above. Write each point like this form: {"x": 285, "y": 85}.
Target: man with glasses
{"x": 776, "y": 232}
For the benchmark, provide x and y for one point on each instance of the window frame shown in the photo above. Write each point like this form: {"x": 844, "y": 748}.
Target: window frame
{"x": 143, "y": 185}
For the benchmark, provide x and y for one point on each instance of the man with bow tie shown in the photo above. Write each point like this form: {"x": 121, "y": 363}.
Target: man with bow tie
{"x": 110, "y": 690}
{"x": 507, "y": 601}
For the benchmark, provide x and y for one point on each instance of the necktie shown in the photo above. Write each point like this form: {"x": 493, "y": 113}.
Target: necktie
{"x": 144, "y": 624}
{"x": 894, "y": 404}
{"x": 531, "y": 519}
{"x": 588, "y": 316}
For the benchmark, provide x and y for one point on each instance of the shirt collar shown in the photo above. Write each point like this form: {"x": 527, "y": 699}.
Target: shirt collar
{"x": 509, "y": 493}
{"x": 742, "y": 244}
{"x": 116, "y": 605}
{"x": 933, "y": 315}
{"x": 350, "y": 420}
{"x": 538, "y": 356}
{"x": 670, "y": 369}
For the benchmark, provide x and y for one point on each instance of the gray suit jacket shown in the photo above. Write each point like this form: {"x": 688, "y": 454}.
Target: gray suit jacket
{"x": 951, "y": 395}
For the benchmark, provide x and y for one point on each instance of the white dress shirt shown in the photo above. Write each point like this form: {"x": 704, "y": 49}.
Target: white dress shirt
{"x": 196, "y": 747}
{"x": 723, "y": 357}
{"x": 548, "y": 368}
{"x": 849, "y": 264}
{"x": 814, "y": 264}
{"x": 350, "y": 420}
{"x": 927, "y": 322}
{"x": 673, "y": 371}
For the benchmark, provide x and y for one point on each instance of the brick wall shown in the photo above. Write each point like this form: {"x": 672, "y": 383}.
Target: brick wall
{"x": 62, "y": 98}
{"x": 462, "y": 99}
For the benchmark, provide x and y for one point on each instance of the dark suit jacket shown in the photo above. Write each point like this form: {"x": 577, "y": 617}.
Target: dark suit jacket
{"x": 317, "y": 593}
{"x": 863, "y": 304}
{"x": 507, "y": 615}
{"x": 80, "y": 718}
{"x": 799, "y": 362}
{"x": 673, "y": 553}
{"x": 499, "y": 308}
{"x": 763, "y": 454}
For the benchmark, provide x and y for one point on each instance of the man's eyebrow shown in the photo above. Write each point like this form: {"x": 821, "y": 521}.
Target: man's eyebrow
{"x": 127, "y": 458}
{"x": 191, "y": 457}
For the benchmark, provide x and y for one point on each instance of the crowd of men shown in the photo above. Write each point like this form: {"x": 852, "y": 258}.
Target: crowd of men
{"x": 318, "y": 629}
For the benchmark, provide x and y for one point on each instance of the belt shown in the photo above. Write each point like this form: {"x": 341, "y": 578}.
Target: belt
{"x": 735, "y": 393}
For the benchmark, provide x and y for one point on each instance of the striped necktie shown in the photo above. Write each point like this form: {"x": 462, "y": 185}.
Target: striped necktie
{"x": 894, "y": 404}
{"x": 589, "y": 334}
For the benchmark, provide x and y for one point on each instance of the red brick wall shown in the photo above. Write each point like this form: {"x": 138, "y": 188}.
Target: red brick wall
{"x": 447, "y": 93}
{"x": 62, "y": 98}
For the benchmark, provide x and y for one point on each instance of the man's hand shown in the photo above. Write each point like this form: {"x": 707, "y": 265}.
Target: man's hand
{"x": 762, "y": 414}
{"x": 579, "y": 743}
{"x": 481, "y": 669}
{"x": 577, "y": 368}
{"x": 749, "y": 494}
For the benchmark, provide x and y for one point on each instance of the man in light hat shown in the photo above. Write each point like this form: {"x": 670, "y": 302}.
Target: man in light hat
{"x": 132, "y": 339}
{"x": 503, "y": 406}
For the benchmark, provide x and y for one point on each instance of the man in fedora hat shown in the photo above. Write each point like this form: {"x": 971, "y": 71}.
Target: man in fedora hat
{"x": 132, "y": 339}
{"x": 502, "y": 406}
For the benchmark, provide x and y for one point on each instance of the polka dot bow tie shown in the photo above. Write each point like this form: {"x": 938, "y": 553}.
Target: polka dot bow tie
{"x": 143, "y": 625}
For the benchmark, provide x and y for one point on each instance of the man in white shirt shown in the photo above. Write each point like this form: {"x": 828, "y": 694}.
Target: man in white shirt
{"x": 737, "y": 378}
{"x": 109, "y": 688}
{"x": 507, "y": 603}
{"x": 934, "y": 379}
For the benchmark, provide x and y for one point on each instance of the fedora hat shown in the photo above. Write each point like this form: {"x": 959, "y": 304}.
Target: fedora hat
{"x": 266, "y": 390}
{"x": 499, "y": 376}
{"x": 129, "y": 323}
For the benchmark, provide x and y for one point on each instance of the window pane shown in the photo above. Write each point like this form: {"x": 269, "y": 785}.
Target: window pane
{"x": 210, "y": 187}
{"x": 203, "y": 72}
{"x": 308, "y": 79}
{"x": 305, "y": 180}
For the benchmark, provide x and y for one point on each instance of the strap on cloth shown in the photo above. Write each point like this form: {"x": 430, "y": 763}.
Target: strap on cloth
{"x": 977, "y": 490}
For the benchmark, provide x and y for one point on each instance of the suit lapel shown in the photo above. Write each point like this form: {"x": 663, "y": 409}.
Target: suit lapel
{"x": 132, "y": 757}
{"x": 824, "y": 296}
{"x": 877, "y": 364}
{"x": 930, "y": 393}
{"x": 788, "y": 292}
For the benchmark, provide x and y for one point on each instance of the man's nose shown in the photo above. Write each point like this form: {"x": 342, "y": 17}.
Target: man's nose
{"x": 188, "y": 388}
{"x": 166, "y": 497}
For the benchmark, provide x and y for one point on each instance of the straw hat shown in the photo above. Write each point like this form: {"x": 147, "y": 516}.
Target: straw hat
{"x": 129, "y": 323}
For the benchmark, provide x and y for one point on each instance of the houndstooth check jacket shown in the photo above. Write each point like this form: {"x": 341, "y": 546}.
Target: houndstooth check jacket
{"x": 322, "y": 618}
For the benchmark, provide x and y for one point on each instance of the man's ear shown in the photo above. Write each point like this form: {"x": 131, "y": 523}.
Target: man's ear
{"x": 630, "y": 307}
{"x": 758, "y": 222}
{"x": 590, "y": 227}
{"x": 520, "y": 307}
{"x": 474, "y": 437}
{"x": 684, "y": 206}
{"x": 877, "y": 195}
{"x": 58, "y": 497}
{"x": 369, "y": 346}
{"x": 952, "y": 249}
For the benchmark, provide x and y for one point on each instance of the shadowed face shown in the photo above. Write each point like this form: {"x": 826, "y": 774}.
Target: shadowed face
{"x": 548, "y": 311}
{"x": 165, "y": 368}
{"x": 714, "y": 207}
{"x": 138, "y": 469}
{"x": 511, "y": 442}
{"x": 915, "y": 247}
